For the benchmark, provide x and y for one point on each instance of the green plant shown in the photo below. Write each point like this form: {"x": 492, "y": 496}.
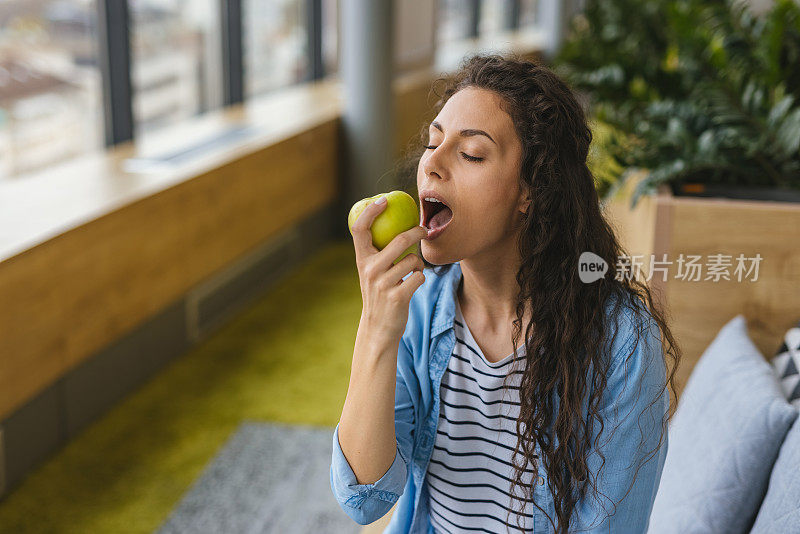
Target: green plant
{"x": 712, "y": 96}
{"x": 605, "y": 168}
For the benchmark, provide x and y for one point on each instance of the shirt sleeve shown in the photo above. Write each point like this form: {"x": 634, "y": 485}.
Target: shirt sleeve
{"x": 633, "y": 408}
{"x": 366, "y": 503}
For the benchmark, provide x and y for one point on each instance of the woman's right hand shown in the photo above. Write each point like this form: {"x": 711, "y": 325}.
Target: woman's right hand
{"x": 384, "y": 293}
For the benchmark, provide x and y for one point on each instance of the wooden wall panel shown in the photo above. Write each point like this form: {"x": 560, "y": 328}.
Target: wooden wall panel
{"x": 74, "y": 294}
{"x": 634, "y": 227}
{"x": 697, "y": 310}
{"x": 771, "y": 303}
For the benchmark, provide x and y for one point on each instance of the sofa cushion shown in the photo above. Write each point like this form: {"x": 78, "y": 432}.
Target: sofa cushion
{"x": 780, "y": 510}
{"x": 723, "y": 439}
{"x": 786, "y": 364}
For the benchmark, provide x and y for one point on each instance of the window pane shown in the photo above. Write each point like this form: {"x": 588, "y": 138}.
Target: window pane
{"x": 275, "y": 44}
{"x": 527, "y": 12}
{"x": 50, "y": 85}
{"x": 175, "y": 60}
{"x": 453, "y": 20}
{"x": 330, "y": 35}
{"x": 491, "y": 17}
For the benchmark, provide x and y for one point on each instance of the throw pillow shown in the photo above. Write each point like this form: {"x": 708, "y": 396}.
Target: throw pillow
{"x": 723, "y": 440}
{"x": 786, "y": 364}
{"x": 780, "y": 510}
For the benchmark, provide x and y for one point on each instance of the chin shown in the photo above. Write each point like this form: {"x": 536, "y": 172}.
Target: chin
{"x": 434, "y": 256}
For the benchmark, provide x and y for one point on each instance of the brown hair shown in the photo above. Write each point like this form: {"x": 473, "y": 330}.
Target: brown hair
{"x": 564, "y": 218}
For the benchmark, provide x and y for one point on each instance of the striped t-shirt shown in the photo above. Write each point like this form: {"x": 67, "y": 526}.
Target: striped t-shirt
{"x": 470, "y": 471}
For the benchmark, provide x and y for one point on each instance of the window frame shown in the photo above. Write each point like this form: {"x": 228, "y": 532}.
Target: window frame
{"x": 114, "y": 52}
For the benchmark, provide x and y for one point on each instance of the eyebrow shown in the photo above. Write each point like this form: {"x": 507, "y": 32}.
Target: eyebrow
{"x": 466, "y": 133}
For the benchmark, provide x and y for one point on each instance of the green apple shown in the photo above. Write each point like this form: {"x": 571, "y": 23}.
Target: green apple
{"x": 400, "y": 214}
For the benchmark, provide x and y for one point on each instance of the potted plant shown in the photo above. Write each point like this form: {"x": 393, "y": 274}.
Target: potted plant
{"x": 696, "y": 115}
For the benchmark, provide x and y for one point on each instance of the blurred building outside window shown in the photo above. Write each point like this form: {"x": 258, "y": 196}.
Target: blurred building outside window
{"x": 527, "y": 13}
{"x": 330, "y": 36}
{"x": 454, "y": 16}
{"x": 414, "y": 35}
{"x": 492, "y": 17}
{"x": 50, "y": 83}
{"x": 275, "y": 44}
{"x": 452, "y": 20}
{"x": 176, "y": 60}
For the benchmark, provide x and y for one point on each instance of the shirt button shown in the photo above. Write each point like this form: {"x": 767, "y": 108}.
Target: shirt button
{"x": 540, "y": 481}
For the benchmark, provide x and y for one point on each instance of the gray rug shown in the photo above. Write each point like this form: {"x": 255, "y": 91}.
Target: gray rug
{"x": 268, "y": 478}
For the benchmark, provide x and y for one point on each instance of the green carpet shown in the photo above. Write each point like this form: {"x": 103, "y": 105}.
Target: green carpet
{"x": 286, "y": 359}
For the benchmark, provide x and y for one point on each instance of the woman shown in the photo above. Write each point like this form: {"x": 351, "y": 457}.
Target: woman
{"x": 446, "y": 412}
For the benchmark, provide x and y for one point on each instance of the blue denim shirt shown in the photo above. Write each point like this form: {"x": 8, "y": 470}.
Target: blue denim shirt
{"x": 631, "y": 428}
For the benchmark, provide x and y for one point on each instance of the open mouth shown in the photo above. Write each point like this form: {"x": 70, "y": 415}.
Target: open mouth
{"x": 436, "y": 214}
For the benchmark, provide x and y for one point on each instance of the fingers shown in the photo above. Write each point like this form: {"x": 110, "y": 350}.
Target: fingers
{"x": 411, "y": 268}
{"x": 411, "y": 284}
{"x": 399, "y": 244}
{"x": 362, "y": 237}
{"x": 410, "y": 263}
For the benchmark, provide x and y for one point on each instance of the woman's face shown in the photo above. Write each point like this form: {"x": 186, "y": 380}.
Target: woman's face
{"x": 484, "y": 194}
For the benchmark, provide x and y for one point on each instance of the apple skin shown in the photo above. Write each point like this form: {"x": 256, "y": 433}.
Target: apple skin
{"x": 400, "y": 214}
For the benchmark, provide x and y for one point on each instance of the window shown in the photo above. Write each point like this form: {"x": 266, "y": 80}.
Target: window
{"x": 527, "y": 13}
{"x": 452, "y": 20}
{"x": 275, "y": 44}
{"x": 330, "y": 35}
{"x": 50, "y": 84}
{"x": 175, "y": 60}
{"x": 492, "y": 17}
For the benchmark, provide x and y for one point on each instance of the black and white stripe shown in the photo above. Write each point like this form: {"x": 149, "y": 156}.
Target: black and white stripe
{"x": 470, "y": 472}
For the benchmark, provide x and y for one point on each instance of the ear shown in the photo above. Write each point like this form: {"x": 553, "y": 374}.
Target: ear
{"x": 524, "y": 204}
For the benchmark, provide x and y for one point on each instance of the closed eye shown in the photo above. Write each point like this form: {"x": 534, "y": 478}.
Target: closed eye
{"x": 463, "y": 154}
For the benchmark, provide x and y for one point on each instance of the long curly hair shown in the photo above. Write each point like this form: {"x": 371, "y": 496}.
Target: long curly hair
{"x": 563, "y": 219}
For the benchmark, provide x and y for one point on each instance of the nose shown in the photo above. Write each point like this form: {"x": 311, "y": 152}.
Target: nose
{"x": 431, "y": 165}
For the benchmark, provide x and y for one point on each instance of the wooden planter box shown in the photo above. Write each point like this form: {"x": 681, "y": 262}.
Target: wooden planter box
{"x": 697, "y": 309}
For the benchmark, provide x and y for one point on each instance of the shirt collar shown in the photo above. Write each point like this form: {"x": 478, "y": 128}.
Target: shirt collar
{"x": 444, "y": 312}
